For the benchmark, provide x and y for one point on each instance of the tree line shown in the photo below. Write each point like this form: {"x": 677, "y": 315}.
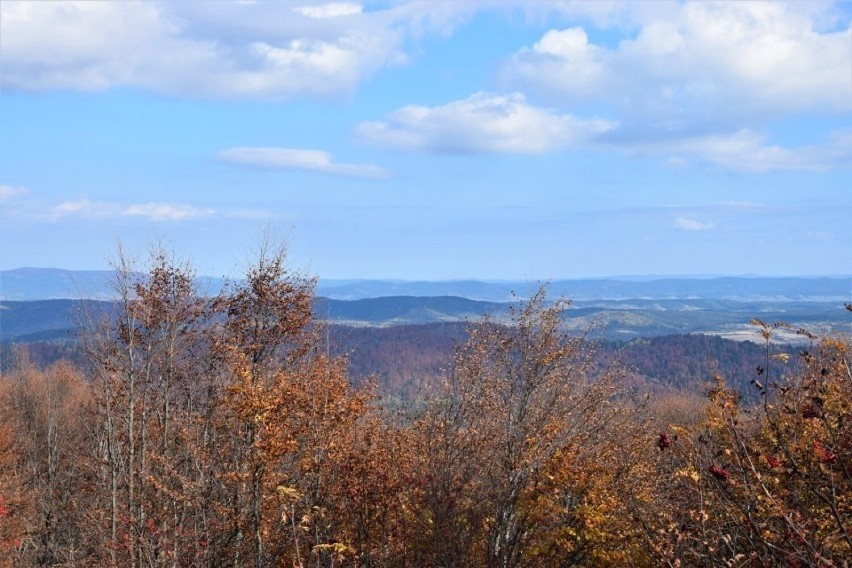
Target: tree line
{"x": 225, "y": 431}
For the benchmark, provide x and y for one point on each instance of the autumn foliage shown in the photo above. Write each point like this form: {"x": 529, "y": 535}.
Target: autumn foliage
{"x": 213, "y": 431}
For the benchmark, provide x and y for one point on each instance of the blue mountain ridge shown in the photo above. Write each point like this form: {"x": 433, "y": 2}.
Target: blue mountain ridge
{"x": 54, "y": 283}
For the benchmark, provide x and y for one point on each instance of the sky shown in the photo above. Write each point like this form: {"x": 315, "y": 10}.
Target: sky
{"x": 430, "y": 140}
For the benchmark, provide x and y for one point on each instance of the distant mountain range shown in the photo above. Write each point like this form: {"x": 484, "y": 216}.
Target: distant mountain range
{"x": 54, "y": 283}
{"x": 776, "y": 289}
{"x": 38, "y": 320}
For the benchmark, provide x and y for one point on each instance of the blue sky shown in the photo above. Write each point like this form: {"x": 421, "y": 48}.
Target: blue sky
{"x": 431, "y": 140}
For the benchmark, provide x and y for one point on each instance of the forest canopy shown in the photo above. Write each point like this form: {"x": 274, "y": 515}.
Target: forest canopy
{"x": 210, "y": 431}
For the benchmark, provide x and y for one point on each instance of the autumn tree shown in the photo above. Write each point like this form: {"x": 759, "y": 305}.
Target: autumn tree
{"x": 524, "y": 402}
{"x": 149, "y": 365}
{"x": 227, "y": 432}
{"x": 44, "y": 430}
{"x": 263, "y": 332}
{"x": 769, "y": 484}
{"x": 310, "y": 470}
{"x": 16, "y": 503}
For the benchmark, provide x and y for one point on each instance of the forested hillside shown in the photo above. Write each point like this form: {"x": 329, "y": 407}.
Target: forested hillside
{"x": 237, "y": 430}
{"x": 409, "y": 359}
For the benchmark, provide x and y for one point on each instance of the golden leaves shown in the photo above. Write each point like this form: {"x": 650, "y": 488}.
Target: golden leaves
{"x": 782, "y": 357}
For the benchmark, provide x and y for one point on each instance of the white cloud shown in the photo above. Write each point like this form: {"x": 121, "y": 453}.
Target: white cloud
{"x": 231, "y": 50}
{"x": 8, "y": 192}
{"x": 700, "y": 81}
{"x": 154, "y": 211}
{"x": 165, "y": 211}
{"x": 82, "y": 207}
{"x": 693, "y": 57}
{"x": 332, "y": 10}
{"x": 482, "y": 123}
{"x": 565, "y": 61}
{"x": 200, "y": 49}
{"x": 686, "y": 224}
{"x": 297, "y": 159}
{"x": 747, "y": 151}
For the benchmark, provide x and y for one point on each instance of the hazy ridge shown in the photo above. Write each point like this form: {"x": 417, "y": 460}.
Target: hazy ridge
{"x": 54, "y": 283}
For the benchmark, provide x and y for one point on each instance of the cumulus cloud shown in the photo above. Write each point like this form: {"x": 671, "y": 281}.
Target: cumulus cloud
{"x": 564, "y": 61}
{"x": 686, "y": 224}
{"x": 480, "y": 123}
{"x": 154, "y": 211}
{"x": 8, "y": 192}
{"x": 297, "y": 159}
{"x": 199, "y": 49}
{"x": 695, "y": 55}
{"x": 700, "y": 80}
